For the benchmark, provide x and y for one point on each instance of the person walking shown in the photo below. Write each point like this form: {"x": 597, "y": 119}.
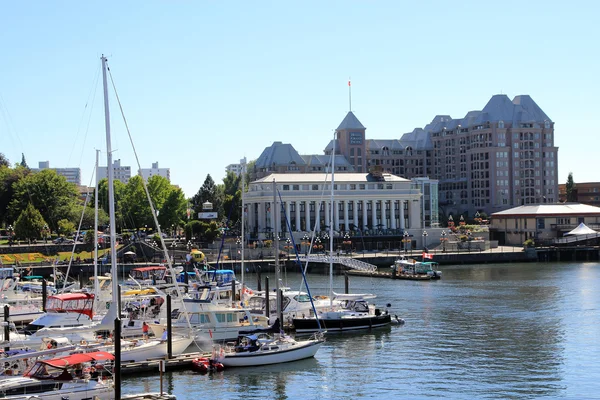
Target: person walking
{"x": 145, "y": 329}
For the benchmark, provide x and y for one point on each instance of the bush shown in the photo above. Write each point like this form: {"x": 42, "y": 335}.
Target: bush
{"x": 529, "y": 243}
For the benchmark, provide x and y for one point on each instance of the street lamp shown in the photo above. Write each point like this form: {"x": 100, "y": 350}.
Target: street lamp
{"x": 405, "y": 240}
{"x": 443, "y": 240}
{"x": 478, "y": 218}
{"x": 45, "y": 233}
{"x": 425, "y": 240}
{"x": 347, "y": 242}
{"x": 318, "y": 246}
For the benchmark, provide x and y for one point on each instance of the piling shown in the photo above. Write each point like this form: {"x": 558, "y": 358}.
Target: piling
{"x": 117, "y": 368}
{"x": 267, "y": 308}
{"x": 169, "y": 330}
{"x": 6, "y": 326}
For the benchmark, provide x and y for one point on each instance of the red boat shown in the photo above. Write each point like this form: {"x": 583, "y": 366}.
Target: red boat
{"x": 205, "y": 365}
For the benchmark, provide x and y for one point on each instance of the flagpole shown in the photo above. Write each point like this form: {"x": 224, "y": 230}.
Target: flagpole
{"x": 349, "y": 95}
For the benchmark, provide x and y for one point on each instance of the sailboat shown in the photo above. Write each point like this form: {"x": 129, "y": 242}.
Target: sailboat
{"x": 263, "y": 348}
{"x": 351, "y": 311}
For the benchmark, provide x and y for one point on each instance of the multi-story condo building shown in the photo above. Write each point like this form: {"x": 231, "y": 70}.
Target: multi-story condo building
{"x": 584, "y": 192}
{"x": 121, "y": 173}
{"x": 72, "y": 175}
{"x": 155, "y": 170}
{"x": 235, "y": 168}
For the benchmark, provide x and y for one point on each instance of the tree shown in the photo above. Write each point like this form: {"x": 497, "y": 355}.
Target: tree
{"x": 4, "y": 161}
{"x": 119, "y": 193}
{"x": 48, "y": 192}
{"x": 29, "y": 224}
{"x": 208, "y": 192}
{"x": 23, "y": 162}
{"x": 9, "y": 176}
{"x": 89, "y": 215}
{"x": 65, "y": 227}
{"x": 173, "y": 210}
{"x": 571, "y": 190}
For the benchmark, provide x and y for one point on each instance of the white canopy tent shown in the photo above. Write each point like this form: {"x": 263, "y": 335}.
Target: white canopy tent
{"x": 582, "y": 229}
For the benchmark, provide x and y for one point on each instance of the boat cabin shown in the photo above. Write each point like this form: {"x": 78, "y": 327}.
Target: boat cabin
{"x": 151, "y": 275}
{"x": 82, "y": 303}
{"x": 66, "y": 368}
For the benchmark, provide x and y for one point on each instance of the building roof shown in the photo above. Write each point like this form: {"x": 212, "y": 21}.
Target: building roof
{"x": 322, "y": 177}
{"x": 325, "y": 160}
{"x": 548, "y": 210}
{"x": 279, "y": 154}
{"x": 350, "y": 122}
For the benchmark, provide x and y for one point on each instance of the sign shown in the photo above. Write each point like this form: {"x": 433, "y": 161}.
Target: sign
{"x": 207, "y": 215}
{"x": 356, "y": 138}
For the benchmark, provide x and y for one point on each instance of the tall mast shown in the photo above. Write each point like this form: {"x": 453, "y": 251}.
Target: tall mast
{"x": 111, "y": 194}
{"x": 275, "y": 214}
{"x": 96, "y": 283}
{"x": 243, "y": 162}
{"x": 331, "y": 223}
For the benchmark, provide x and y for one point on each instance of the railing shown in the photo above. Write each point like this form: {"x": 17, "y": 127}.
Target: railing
{"x": 348, "y": 262}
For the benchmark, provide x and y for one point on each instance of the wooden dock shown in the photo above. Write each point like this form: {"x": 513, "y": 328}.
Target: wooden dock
{"x": 388, "y": 275}
{"x": 182, "y": 361}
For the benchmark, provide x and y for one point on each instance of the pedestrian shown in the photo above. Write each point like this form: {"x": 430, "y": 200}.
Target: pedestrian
{"x": 145, "y": 329}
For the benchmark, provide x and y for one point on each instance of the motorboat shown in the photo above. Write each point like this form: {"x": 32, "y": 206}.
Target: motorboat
{"x": 74, "y": 377}
{"x": 64, "y": 310}
{"x": 411, "y": 267}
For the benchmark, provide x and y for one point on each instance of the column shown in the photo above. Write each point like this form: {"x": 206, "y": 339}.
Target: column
{"x": 383, "y": 215}
{"x": 260, "y": 223}
{"x": 402, "y": 215}
{"x": 298, "y": 216}
{"x": 269, "y": 219}
{"x": 365, "y": 214}
{"x": 287, "y": 213}
{"x": 346, "y": 217}
{"x": 336, "y": 215}
{"x": 374, "y": 213}
{"x": 327, "y": 221}
{"x": 318, "y": 215}
{"x": 355, "y": 212}
{"x": 393, "y": 213}
{"x": 307, "y": 215}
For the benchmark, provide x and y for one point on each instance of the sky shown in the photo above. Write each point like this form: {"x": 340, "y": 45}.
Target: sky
{"x": 203, "y": 84}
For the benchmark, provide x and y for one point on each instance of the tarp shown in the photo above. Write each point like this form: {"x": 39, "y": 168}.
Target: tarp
{"x": 582, "y": 229}
{"x": 73, "y": 359}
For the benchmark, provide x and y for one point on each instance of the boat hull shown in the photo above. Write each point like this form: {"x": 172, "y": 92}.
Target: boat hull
{"x": 302, "y": 350}
{"x": 307, "y": 325}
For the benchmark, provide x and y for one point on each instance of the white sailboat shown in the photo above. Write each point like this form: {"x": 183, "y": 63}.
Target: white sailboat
{"x": 262, "y": 348}
{"x": 351, "y": 311}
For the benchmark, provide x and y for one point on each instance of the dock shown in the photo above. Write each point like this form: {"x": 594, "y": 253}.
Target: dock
{"x": 182, "y": 361}
{"x": 388, "y": 275}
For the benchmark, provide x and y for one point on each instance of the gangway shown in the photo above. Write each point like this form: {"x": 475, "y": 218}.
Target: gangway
{"x": 351, "y": 263}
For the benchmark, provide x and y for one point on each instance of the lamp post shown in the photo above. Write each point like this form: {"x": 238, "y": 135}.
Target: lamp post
{"x": 306, "y": 243}
{"x": 45, "y": 233}
{"x": 406, "y": 237}
{"x": 173, "y": 247}
{"x": 325, "y": 239}
{"x": 347, "y": 242}
{"x": 288, "y": 246}
{"x": 318, "y": 244}
{"x": 425, "y": 240}
{"x": 443, "y": 240}
{"x": 478, "y": 218}
{"x": 10, "y": 235}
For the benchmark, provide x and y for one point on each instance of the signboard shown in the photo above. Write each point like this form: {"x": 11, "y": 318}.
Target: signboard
{"x": 207, "y": 215}
{"x": 356, "y": 138}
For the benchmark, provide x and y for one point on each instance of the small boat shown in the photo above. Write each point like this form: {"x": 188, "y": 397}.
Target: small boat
{"x": 73, "y": 377}
{"x": 205, "y": 365}
{"x": 413, "y": 268}
{"x": 265, "y": 349}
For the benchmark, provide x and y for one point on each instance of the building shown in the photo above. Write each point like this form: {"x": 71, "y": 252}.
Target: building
{"x": 154, "y": 171}
{"x": 72, "y": 175}
{"x": 121, "y": 173}
{"x": 367, "y": 202}
{"x": 489, "y": 160}
{"x": 235, "y": 168}
{"x": 541, "y": 222}
{"x": 585, "y": 192}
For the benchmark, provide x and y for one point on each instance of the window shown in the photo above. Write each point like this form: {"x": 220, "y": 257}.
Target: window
{"x": 315, "y": 187}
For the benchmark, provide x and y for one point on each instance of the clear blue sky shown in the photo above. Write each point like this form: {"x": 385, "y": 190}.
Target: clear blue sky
{"x": 205, "y": 83}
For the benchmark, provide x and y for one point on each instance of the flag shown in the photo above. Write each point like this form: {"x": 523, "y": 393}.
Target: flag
{"x": 349, "y": 82}
{"x": 427, "y": 255}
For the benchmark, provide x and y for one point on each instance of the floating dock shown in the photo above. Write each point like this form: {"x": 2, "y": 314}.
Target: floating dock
{"x": 388, "y": 275}
{"x": 182, "y": 361}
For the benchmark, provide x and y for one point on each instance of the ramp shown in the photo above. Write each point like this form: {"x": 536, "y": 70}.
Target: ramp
{"x": 351, "y": 263}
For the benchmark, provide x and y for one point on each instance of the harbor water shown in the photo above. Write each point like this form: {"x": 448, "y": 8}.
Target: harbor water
{"x": 483, "y": 331}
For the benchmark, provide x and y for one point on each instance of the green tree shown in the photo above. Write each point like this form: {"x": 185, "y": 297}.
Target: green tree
{"x": 119, "y": 188}
{"x": 9, "y": 176}
{"x": 134, "y": 205}
{"x": 23, "y": 162}
{"x": 4, "y": 161}
{"x": 173, "y": 210}
{"x": 65, "y": 227}
{"x": 89, "y": 216}
{"x": 570, "y": 188}
{"x": 208, "y": 192}
{"x": 49, "y": 193}
{"x": 29, "y": 224}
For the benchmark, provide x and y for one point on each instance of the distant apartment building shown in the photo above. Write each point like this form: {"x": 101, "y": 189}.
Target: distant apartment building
{"x": 155, "y": 170}
{"x": 235, "y": 168}
{"x": 490, "y": 160}
{"x": 584, "y": 192}
{"x": 121, "y": 173}
{"x": 72, "y": 175}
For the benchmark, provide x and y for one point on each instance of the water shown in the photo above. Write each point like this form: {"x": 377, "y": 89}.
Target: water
{"x": 487, "y": 331}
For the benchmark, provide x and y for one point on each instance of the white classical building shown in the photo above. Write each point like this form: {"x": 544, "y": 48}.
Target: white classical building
{"x": 361, "y": 201}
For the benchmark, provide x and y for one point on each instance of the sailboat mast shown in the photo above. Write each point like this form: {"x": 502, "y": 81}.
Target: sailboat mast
{"x": 111, "y": 194}
{"x": 331, "y": 225}
{"x": 96, "y": 283}
{"x": 243, "y": 240}
{"x": 275, "y": 220}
